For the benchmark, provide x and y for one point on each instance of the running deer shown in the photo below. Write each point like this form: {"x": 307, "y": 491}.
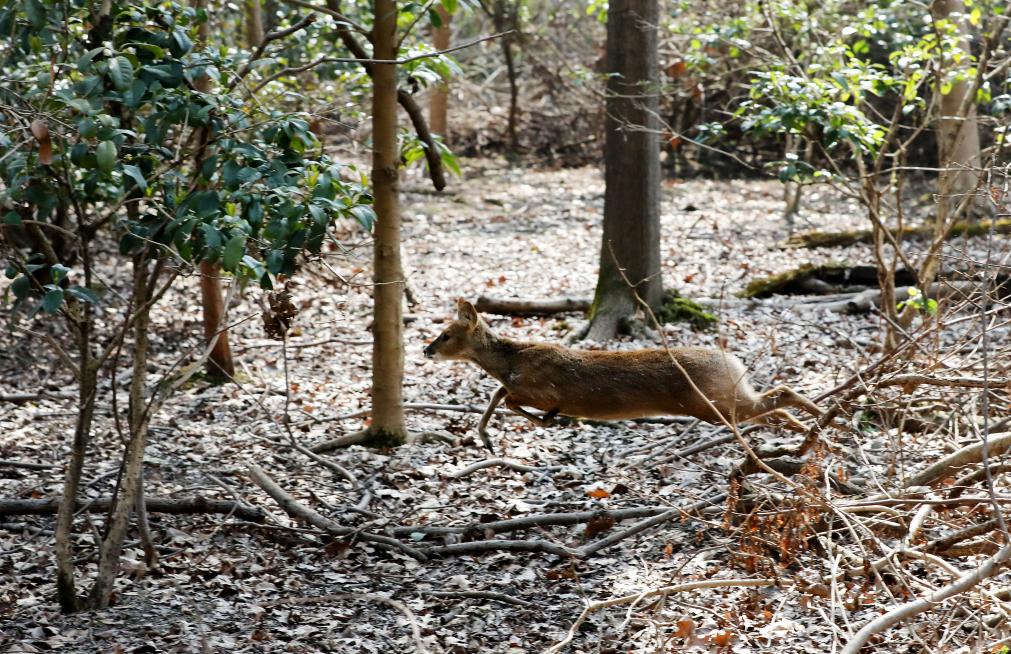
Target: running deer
{"x": 708, "y": 384}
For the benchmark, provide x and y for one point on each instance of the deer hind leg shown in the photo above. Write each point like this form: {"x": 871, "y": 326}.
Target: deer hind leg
{"x": 541, "y": 421}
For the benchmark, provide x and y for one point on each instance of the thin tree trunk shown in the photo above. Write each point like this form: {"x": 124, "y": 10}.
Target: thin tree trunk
{"x": 65, "y": 586}
{"x": 631, "y": 240}
{"x": 440, "y": 92}
{"x": 387, "y": 426}
{"x": 115, "y": 533}
{"x": 220, "y": 365}
{"x": 66, "y": 590}
{"x": 957, "y": 141}
{"x": 507, "y": 52}
{"x": 254, "y": 23}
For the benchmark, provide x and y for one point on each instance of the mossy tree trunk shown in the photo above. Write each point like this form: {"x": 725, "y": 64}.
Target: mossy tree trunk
{"x": 631, "y": 240}
{"x": 387, "y": 426}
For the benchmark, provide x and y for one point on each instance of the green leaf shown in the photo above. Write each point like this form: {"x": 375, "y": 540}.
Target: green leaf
{"x": 12, "y": 218}
{"x": 434, "y": 17}
{"x": 450, "y": 6}
{"x": 138, "y": 177}
{"x": 234, "y": 250}
{"x": 106, "y": 156}
{"x": 83, "y": 294}
{"x": 121, "y": 73}
{"x": 365, "y": 215}
{"x": 52, "y": 300}
{"x": 21, "y": 287}
{"x": 59, "y": 272}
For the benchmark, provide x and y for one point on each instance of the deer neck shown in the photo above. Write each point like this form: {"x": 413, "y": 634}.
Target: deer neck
{"x": 497, "y": 356}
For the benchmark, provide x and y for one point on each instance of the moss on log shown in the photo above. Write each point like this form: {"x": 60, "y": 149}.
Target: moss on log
{"x": 681, "y": 309}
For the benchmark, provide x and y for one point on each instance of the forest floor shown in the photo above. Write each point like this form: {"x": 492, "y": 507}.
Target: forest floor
{"x": 227, "y": 585}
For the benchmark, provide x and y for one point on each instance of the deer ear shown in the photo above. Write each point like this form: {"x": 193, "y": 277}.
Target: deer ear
{"x": 466, "y": 312}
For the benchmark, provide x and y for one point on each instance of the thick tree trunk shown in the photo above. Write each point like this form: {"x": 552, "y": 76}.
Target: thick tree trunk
{"x": 254, "y": 23}
{"x": 440, "y": 92}
{"x": 387, "y": 426}
{"x": 137, "y": 419}
{"x": 631, "y": 241}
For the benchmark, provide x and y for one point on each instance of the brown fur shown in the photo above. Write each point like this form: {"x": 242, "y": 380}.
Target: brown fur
{"x": 612, "y": 385}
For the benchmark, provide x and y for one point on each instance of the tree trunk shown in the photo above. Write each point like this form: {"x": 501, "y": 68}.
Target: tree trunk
{"x": 631, "y": 241}
{"x": 387, "y": 426}
{"x": 507, "y": 17}
{"x": 137, "y": 417}
{"x": 220, "y": 365}
{"x": 254, "y": 23}
{"x": 958, "y": 130}
{"x": 440, "y": 92}
{"x": 65, "y": 586}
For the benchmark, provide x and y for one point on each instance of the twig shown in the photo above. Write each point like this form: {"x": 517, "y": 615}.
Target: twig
{"x": 512, "y": 465}
{"x": 481, "y": 594}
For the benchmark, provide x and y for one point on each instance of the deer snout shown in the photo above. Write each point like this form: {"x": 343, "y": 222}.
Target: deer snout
{"x": 430, "y": 351}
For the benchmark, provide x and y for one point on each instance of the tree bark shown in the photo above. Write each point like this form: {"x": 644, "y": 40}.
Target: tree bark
{"x": 254, "y": 23}
{"x": 65, "y": 586}
{"x": 957, "y": 129}
{"x": 220, "y": 365}
{"x": 137, "y": 416}
{"x": 631, "y": 240}
{"x": 440, "y": 92}
{"x": 387, "y": 426}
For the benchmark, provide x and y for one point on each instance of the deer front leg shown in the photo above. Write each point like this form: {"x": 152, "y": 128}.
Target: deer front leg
{"x": 481, "y": 427}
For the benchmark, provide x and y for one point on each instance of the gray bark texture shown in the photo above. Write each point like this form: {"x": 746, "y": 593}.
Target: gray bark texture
{"x": 631, "y": 240}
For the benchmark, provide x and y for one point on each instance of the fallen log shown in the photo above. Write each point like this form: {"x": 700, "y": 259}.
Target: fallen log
{"x": 822, "y": 279}
{"x": 843, "y": 239}
{"x": 866, "y": 300}
{"x": 522, "y": 307}
{"x": 195, "y": 504}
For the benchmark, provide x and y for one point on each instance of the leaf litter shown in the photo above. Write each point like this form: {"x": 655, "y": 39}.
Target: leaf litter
{"x": 223, "y": 584}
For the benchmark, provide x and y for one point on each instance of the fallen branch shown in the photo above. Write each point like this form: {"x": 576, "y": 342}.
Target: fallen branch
{"x": 531, "y": 521}
{"x": 998, "y": 444}
{"x": 903, "y": 612}
{"x": 27, "y": 465}
{"x": 296, "y": 510}
{"x": 512, "y": 465}
{"x": 480, "y": 594}
{"x": 910, "y": 382}
{"x": 195, "y": 504}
